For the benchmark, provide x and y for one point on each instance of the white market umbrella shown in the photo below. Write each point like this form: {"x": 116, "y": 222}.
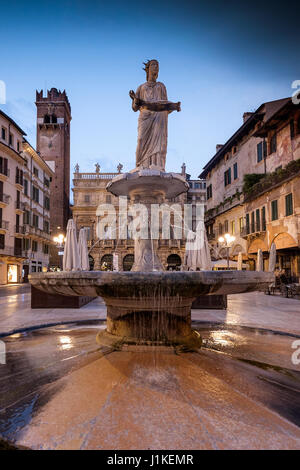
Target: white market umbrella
{"x": 71, "y": 260}
{"x": 240, "y": 261}
{"x": 83, "y": 250}
{"x": 260, "y": 260}
{"x": 272, "y": 258}
{"x": 197, "y": 254}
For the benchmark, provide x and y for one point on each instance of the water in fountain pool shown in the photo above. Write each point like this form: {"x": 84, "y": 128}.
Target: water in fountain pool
{"x": 61, "y": 390}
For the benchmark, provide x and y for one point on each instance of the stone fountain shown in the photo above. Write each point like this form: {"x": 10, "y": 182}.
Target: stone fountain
{"x": 148, "y": 305}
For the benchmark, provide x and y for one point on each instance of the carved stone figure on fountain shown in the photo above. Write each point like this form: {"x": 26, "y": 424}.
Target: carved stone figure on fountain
{"x": 152, "y": 102}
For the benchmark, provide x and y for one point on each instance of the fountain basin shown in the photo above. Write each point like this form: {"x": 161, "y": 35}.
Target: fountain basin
{"x": 150, "y": 307}
{"x": 151, "y": 180}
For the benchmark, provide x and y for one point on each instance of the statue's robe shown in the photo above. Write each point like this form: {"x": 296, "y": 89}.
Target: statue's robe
{"x": 152, "y": 128}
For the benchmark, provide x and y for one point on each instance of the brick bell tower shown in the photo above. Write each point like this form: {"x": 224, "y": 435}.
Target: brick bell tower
{"x": 53, "y": 143}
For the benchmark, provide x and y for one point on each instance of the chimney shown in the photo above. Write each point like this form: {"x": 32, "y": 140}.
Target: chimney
{"x": 218, "y": 147}
{"x": 246, "y": 116}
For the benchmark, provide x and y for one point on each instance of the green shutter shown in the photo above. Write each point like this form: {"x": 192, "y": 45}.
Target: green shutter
{"x": 289, "y": 204}
{"x": 274, "y": 207}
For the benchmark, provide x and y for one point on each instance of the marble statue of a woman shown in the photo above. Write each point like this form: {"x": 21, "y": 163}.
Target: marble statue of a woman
{"x": 152, "y": 101}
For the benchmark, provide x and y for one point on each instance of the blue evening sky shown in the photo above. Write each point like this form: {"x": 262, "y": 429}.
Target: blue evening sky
{"x": 218, "y": 58}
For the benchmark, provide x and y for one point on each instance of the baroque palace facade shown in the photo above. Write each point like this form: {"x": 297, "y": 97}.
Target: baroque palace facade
{"x": 90, "y": 190}
{"x": 253, "y": 188}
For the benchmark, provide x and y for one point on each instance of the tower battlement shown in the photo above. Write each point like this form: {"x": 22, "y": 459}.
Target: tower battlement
{"x": 53, "y": 95}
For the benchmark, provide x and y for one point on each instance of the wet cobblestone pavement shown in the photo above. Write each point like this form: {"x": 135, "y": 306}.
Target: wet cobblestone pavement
{"x": 61, "y": 390}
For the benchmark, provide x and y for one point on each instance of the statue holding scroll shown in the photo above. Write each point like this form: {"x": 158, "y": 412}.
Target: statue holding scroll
{"x": 152, "y": 102}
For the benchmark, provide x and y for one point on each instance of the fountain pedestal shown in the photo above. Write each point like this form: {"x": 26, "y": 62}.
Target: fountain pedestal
{"x": 147, "y": 187}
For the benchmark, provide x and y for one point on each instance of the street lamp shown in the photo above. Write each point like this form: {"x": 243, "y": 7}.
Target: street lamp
{"x": 59, "y": 242}
{"x": 227, "y": 240}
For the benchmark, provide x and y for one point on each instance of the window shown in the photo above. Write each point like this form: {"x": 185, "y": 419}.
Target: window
{"x": 35, "y": 221}
{"x": 18, "y": 146}
{"x": 235, "y": 171}
{"x": 4, "y": 166}
{"x": 241, "y": 224}
{"x": 263, "y": 219}
{"x": 34, "y": 245}
{"x": 35, "y": 172}
{"x": 46, "y": 249}
{"x": 19, "y": 176}
{"x": 209, "y": 191}
{"x": 233, "y": 227}
{"x": 35, "y": 194}
{"x": 261, "y": 150}
{"x": 11, "y": 139}
{"x": 226, "y": 226}
{"x": 227, "y": 177}
{"x": 18, "y": 203}
{"x": 289, "y": 204}
{"x": 17, "y": 223}
{"x": 26, "y": 244}
{"x": 86, "y": 198}
{"x": 257, "y": 216}
{"x": 274, "y": 210}
{"x": 26, "y": 187}
{"x": 3, "y": 133}
{"x": 26, "y": 217}
{"x": 46, "y": 182}
{"x": 108, "y": 199}
{"x": 47, "y": 203}
{"x": 220, "y": 229}
{"x": 46, "y": 226}
{"x": 273, "y": 143}
{"x": 252, "y": 222}
{"x": 2, "y": 241}
{"x": 247, "y": 223}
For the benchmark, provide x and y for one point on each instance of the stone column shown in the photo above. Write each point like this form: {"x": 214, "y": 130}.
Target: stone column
{"x": 145, "y": 250}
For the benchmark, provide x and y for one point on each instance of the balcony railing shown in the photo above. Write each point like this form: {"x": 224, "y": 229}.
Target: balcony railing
{"x": 95, "y": 176}
{"x": 4, "y": 198}
{"x": 12, "y": 251}
{"x": 4, "y": 224}
{"x": 20, "y": 205}
{"x": 32, "y": 230}
{"x": 20, "y": 229}
{"x": 252, "y": 228}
